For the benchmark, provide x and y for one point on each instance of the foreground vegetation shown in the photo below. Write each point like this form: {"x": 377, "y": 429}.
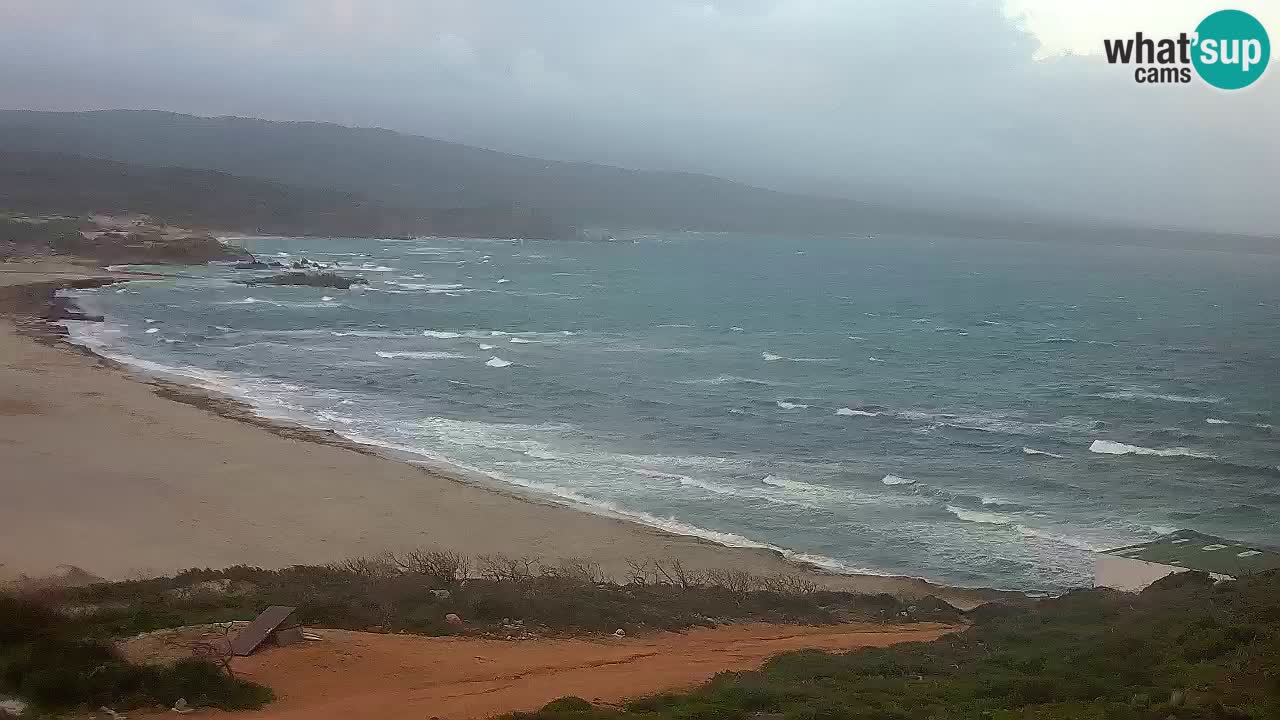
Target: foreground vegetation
{"x": 46, "y": 659}
{"x": 56, "y": 652}
{"x": 415, "y": 592}
{"x": 1185, "y": 648}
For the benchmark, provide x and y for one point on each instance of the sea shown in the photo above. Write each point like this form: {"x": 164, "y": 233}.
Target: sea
{"x": 982, "y": 413}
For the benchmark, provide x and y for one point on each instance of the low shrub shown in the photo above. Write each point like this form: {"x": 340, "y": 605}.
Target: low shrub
{"x": 1186, "y": 648}
{"x": 45, "y": 660}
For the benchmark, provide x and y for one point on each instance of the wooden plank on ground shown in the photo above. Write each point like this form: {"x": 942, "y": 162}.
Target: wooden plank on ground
{"x": 260, "y": 629}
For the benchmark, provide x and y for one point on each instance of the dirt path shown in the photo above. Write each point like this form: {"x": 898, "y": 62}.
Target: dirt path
{"x": 360, "y": 675}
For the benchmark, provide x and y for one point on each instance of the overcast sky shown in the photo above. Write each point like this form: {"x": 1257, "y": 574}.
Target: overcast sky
{"x": 961, "y": 102}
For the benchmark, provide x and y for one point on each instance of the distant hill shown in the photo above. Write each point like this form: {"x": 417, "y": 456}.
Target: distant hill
{"x": 53, "y": 183}
{"x": 417, "y": 172}
{"x": 325, "y": 175}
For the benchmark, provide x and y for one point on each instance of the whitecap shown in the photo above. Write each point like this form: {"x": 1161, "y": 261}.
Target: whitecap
{"x": 502, "y": 281}
{"x": 875, "y": 359}
{"x": 849, "y": 412}
{"x": 1108, "y": 447}
{"x": 415, "y": 355}
{"x": 152, "y": 330}
{"x": 485, "y": 346}
{"x": 521, "y": 341}
{"x": 497, "y": 362}
{"x": 441, "y": 334}
{"x": 896, "y": 480}
{"x": 977, "y": 516}
{"x": 1145, "y": 395}
{"x": 1033, "y": 451}
{"x": 726, "y": 380}
{"x": 770, "y": 357}
{"x": 326, "y": 298}
{"x": 1216, "y": 421}
{"x": 791, "y": 406}
{"x": 149, "y": 321}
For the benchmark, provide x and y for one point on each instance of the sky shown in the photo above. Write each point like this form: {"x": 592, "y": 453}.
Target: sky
{"x": 994, "y": 105}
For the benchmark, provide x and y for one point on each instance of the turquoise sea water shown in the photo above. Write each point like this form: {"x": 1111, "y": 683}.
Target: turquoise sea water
{"x": 974, "y": 412}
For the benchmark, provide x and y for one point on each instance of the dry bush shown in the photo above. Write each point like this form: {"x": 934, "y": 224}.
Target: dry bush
{"x": 581, "y": 570}
{"x": 788, "y": 584}
{"x": 737, "y": 581}
{"x": 504, "y": 568}
{"x": 216, "y": 650}
{"x": 382, "y": 565}
{"x": 443, "y": 567}
{"x": 675, "y": 573}
{"x": 640, "y": 573}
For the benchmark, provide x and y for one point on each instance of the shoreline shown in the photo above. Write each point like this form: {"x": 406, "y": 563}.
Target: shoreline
{"x": 622, "y": 539}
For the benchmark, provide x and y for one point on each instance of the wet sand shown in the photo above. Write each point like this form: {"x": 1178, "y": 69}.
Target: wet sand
{"x": 119, "y": 475}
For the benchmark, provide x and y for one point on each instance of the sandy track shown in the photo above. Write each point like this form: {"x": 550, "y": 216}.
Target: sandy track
{"x": 361, "y": 675}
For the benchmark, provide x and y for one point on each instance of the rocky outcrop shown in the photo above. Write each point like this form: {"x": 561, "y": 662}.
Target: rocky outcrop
{"x": 321, "y": 279}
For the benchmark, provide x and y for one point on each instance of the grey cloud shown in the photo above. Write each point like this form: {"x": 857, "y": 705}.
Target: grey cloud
{"x": 928, "y": 103}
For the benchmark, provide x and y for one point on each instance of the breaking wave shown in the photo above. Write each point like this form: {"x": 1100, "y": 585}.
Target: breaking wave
{"x": 1108, "y": 447}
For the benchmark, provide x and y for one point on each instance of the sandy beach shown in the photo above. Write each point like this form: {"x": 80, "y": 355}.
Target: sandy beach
{"x": 119, "y": 475}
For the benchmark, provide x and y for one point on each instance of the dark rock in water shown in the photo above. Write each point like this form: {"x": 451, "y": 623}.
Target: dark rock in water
{"x": 323, "y": 279}
{"x": 251, "y": 265}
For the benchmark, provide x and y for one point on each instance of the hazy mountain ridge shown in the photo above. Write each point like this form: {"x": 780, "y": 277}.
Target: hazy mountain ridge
{"x": 44, "y": 182}
{"x": 408, "y": 176}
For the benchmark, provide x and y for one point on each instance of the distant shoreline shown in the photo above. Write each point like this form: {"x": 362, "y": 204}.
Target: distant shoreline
{"x": 275, "y": 506}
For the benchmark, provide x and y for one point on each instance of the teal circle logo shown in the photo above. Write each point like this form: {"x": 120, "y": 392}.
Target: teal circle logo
{"x": 1232, "y": 50}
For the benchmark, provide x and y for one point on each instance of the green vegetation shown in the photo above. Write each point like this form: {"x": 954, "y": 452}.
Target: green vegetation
{"x": 46, "y": 659}
{"x": 498, "y": 595}
{"x": 1185, "y": 648}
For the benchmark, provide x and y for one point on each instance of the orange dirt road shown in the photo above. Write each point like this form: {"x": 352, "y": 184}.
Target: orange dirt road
{"x": 352, "y": 675}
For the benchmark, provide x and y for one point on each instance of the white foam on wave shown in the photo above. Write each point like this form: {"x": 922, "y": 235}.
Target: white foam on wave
{"x": 441, "y": 334}
{"x": 1033, "y": 451}
{"x": 416, "y": 355}
{"x": 791, "y": 406}
{"x": 364, "y": 333}
{"x": 875, "y": 359}
{"x": 1218, "y": 421}
{"x": 151, "y": 331}
{"x": 485, "y": 346}
{"x": 365, "y": 267}
{"x": 850, "y": 412}
{"x": 771, "y": 357}
{"x": 726, "y": 380}
{"x": 804, "y": 494}
{"x": 1166, "y": 397}
{"x": 497, "y": 362}
{"x": 991, "y": 500}
{"x": 521, "y": 341}
{"x": 1108, "y": 447}
{"x": 896, "y": 480}
{"x": 978, "y": 516}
